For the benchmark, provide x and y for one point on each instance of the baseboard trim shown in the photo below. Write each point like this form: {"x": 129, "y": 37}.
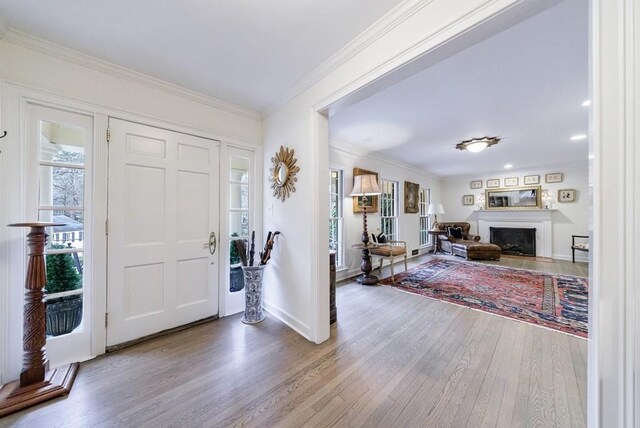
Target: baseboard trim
{"x": 579, "y": 258}
{"x": 295, "y": 324}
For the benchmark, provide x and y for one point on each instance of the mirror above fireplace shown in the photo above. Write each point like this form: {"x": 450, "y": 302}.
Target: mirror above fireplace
{"x": 513, "y": 198}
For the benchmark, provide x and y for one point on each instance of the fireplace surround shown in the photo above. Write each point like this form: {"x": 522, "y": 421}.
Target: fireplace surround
{"x": 519, "y": 241}
{"x": 539, "y": 219}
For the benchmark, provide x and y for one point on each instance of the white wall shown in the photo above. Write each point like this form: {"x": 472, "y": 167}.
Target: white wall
{"x": 346, "y": 158}
{"x": 568, "y": 218}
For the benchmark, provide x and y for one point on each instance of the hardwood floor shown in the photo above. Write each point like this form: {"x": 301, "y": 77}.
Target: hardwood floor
{"x": 393, "y": 360}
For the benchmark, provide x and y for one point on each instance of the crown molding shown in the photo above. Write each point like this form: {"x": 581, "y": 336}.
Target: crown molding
{"x": 378, "y": 29}
{"x": 28, "y": 41}
{"x": 357, "y": 151}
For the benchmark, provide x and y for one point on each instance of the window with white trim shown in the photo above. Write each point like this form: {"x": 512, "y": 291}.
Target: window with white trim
{"x": 425, "y": 221}
{"x": 389, "y": 209}
{"x": 335, "y": 214}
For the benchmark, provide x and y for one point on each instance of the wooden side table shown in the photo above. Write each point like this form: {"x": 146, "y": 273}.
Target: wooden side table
{"x": 37, "y": 383}
{"x": 437, "y": 233}
{"x": 366, "y": 278}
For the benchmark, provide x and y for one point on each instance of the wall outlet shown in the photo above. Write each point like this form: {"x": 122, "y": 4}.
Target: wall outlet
{"x": 414, "y": 252}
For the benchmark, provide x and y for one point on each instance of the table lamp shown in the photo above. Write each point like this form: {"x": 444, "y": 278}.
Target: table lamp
{"x": 434, "y": 210}
{"x": 365, "y": 185}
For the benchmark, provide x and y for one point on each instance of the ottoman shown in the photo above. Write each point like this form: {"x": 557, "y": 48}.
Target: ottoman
{"x": 474, "y": 250}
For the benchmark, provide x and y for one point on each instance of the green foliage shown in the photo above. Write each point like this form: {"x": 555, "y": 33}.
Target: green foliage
{"x": 62, "y": 274}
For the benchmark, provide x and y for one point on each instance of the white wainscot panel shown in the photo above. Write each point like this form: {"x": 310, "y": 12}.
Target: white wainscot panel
{"x": 139, "y": 145}
{"x": 541, "y": 220}
{"x": 193, "y": 281}
{"x": 144, "y": 205}
{"x": 144, "y": 290}
{"x": 193, "y": 206}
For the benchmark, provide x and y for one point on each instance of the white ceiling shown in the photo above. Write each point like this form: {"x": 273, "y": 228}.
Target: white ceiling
{"x": 250, "y": 53}
{"x": 525, "y": 84}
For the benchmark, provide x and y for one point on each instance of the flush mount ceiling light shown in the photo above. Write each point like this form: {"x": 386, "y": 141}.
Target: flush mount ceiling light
{"x": 578, "y": 137}
{"x": 476, "y": 145}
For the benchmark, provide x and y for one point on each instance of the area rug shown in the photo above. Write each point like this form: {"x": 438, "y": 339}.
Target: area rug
{"x": 558, "y": 302}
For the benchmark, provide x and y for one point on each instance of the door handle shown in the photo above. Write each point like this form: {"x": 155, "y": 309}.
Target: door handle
{"x": 213, "y": 242}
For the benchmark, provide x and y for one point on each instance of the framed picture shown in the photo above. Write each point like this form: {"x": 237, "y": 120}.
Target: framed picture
{"x": 372, "y": 201}
{"x": 411, "y": 191}
{"x": 554, "y": 177}
{"x": 467, "y": 200}
{"x": 510, "y": 181}
{"x": 531, "y": 179}
{"x": 476, "y": 184}
{"x": 493, "y": 182}
{"x": 567, "y": 195}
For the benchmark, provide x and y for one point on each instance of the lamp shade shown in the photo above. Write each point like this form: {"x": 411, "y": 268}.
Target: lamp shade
{"x": 365, "y": 185}
{"x": 435, "y": 209}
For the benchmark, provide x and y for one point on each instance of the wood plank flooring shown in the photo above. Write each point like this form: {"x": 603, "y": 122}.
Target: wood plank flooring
{"x": 393, "y": 360}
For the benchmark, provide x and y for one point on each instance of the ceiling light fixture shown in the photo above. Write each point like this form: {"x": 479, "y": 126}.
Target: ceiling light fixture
{"x": 578, "y": 137}
{"x": 507, "y": 166}
{"x": 476, "y": 145}
{"x": 586, "y": 103}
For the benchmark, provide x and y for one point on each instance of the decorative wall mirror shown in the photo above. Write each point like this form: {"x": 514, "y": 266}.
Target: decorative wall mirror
{"x": 513, "y": 198}
{"x": 283, "y": 173}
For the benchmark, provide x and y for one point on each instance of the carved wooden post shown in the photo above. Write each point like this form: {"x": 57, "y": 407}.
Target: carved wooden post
{"x": 34, "y": 356}
{"x": 36, "y": 384}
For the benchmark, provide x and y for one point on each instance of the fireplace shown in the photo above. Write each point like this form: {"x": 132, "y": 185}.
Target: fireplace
{"x": 518, "y": 241}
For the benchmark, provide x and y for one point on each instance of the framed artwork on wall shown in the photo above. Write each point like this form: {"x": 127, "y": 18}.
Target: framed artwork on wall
{"x": 372, "y": 201}
{"x": 510, "y": 181}
{"x": 493, "y": 182}
{"x": 476, "y": 184}
{"x": 567, "y": 195}
{"x": 467, "y": 200}
{"x": 554, "y": 177}
{"x": 531, "y": 179}
{"x": 411, "y": 191}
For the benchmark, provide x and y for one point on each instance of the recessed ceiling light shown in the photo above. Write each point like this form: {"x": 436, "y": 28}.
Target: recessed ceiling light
{"x": 591, "y": 156}
{"x": 578, "y": 137}
{"x": 586, "y": 103}
{"x": 507, "y": 166}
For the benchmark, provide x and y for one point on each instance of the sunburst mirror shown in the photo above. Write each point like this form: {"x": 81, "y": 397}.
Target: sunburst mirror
{"x": 283, "y": 173}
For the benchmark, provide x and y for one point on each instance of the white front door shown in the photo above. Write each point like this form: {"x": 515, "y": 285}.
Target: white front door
{"x": 163, "y": 210}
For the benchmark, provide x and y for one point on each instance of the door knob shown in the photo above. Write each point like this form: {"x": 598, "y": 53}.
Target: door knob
{"x": 213, "y": 242}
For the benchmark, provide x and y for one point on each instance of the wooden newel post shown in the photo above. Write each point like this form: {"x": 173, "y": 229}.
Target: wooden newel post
{"x": 37, "y": 383}
{"x": 34, "y": 355}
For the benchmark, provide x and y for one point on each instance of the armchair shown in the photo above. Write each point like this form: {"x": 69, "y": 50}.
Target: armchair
{"x": 390, "y": 250}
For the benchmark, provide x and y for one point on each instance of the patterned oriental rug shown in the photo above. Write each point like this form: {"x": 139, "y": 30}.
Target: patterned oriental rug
{"x": 558, "y": 302}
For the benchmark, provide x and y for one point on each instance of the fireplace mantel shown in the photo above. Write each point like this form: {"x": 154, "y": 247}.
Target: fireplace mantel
{"x": 541, "y": 219}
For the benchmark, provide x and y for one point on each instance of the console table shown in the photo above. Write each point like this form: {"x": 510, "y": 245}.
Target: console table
{"x": 37, "y": 383}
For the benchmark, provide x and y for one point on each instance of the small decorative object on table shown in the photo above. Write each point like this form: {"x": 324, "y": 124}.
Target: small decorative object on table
{"x": 253, "y": 312}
